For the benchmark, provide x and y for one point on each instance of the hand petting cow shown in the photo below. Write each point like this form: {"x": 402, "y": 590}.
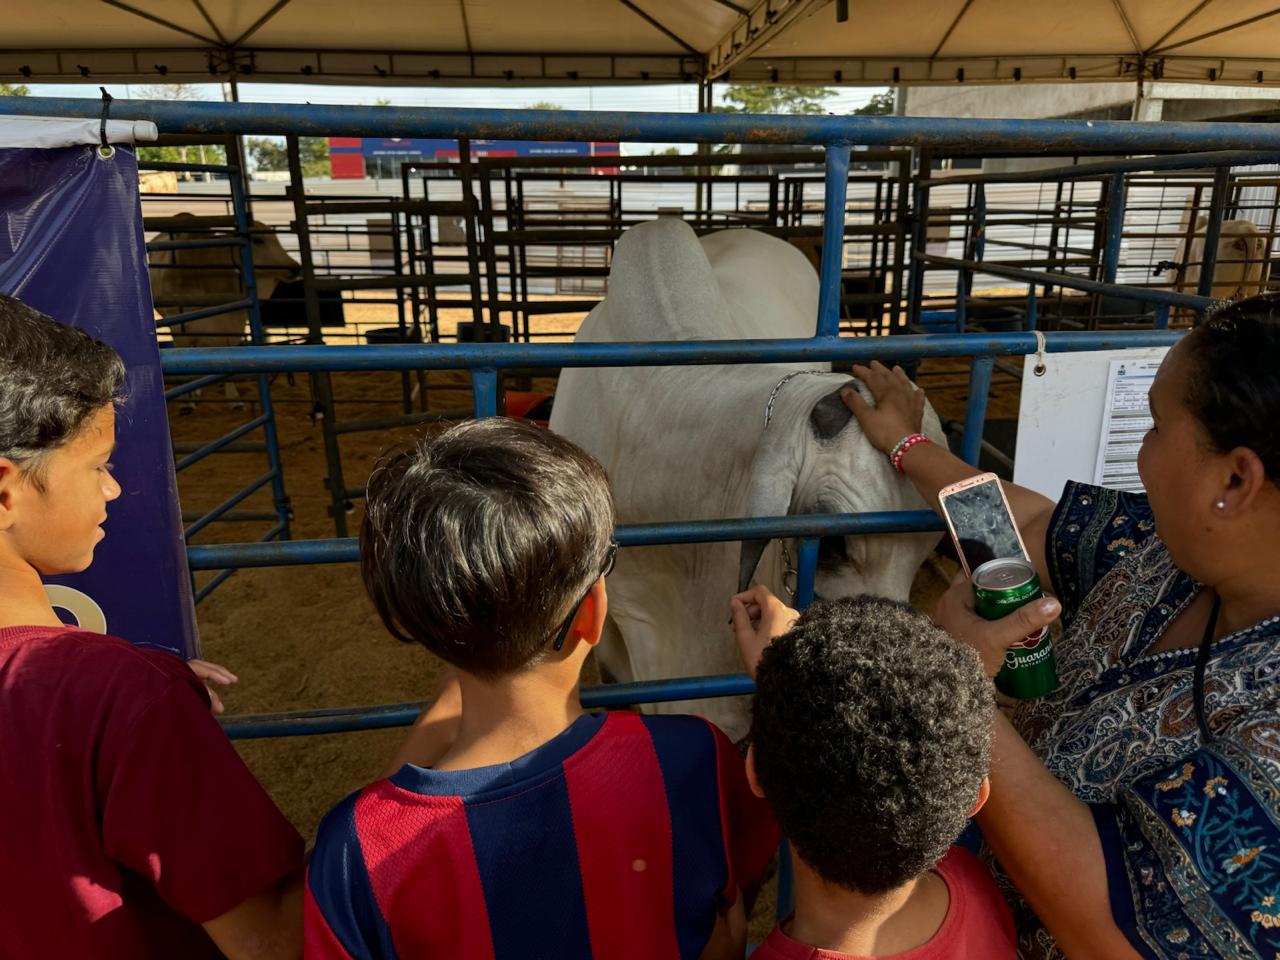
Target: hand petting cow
{"x": 702, "y": 442}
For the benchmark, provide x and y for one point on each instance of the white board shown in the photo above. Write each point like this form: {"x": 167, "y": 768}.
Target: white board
{"x": 1061, "y": 416}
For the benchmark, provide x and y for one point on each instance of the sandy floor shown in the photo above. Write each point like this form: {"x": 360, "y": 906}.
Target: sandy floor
{"x": 305, "y": 637}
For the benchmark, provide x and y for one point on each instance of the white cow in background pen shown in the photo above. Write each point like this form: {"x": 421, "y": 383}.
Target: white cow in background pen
{"x": 691, "y": 443}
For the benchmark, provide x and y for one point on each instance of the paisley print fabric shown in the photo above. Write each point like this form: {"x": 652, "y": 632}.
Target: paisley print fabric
{"x": 1120, "y": 731}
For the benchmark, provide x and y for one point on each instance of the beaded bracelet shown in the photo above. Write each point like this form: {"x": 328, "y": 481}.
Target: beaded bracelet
{"x": 900, "y": 449}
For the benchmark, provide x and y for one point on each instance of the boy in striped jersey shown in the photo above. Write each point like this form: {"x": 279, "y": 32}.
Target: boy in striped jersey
{"x": 520, "y": 826}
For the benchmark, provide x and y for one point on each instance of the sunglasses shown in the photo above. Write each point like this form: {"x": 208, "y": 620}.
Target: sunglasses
{"x": 606, "y": 568}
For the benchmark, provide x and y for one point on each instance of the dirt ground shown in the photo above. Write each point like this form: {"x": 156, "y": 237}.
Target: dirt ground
{"x": 306, "y": 637}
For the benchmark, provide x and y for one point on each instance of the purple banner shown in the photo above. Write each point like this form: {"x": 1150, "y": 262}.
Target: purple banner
{"x": 71, "y": 245}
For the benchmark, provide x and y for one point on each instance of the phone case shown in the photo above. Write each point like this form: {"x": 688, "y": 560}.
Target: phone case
{"x": 965, "y": 484}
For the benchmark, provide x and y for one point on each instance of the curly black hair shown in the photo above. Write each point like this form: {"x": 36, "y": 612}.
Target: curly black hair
{"x": 1233, "y": 389}
{"x": 871, "y": 730}
{"x": 53, "y": 379}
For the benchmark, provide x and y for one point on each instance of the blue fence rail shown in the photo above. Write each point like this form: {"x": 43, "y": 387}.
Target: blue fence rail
{"x": 1034, "y": 137}
{"x": 486, "y": 361}
{"x": 242, "y": 243}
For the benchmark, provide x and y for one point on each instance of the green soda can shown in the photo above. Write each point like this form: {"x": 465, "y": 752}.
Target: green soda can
{"x": 999, "y": 588}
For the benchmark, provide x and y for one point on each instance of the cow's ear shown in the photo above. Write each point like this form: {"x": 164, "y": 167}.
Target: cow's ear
{"x": 775, "y": 471}
{"x": 830, "y": 415}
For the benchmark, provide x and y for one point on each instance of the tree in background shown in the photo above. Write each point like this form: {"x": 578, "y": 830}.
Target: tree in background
{"x": 14, "y": 90}
{"x": 266, "y": 153}
{"x": 672, "y": 152}
{"x": 881, "y": 104}
{"x": 544, "y": 105}
{"x": 210, "y": 153}
{"x": 270, "y": 153}
{"x": 757, "y": 98}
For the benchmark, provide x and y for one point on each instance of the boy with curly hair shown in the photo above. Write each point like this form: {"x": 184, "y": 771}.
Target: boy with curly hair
{"x": 871, "y": 738}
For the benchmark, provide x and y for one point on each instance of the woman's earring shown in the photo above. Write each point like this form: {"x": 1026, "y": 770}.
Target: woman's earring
{"x": 1221, "y": 504}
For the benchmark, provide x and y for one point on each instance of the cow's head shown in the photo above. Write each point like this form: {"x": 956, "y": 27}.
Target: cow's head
{"x": 271, "y": 265}
{"x": 826, "y": 464}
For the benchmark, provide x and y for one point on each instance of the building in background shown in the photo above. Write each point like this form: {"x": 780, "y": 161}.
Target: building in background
{"x": 354, "y": 158}
{"x": 1154, "y": 100}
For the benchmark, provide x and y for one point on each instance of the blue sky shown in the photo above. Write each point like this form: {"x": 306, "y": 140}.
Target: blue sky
{"x": 680, "y": 98}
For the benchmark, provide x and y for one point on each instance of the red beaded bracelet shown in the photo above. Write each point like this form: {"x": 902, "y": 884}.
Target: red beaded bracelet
{"x": 900, "y": 450}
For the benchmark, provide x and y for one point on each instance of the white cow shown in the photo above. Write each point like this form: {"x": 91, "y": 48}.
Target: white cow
{"x": 1242, "y": 264}
{"x": 689, "y": 443}
{"x": 214, "y": 273}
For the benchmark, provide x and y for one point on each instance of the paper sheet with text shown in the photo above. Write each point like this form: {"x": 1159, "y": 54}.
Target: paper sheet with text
{"x": 1126, "y": 418}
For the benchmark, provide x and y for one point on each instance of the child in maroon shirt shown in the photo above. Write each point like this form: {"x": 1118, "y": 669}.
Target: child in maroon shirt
{"x": 871, "y": 738}
{"x": 131, "y": 829}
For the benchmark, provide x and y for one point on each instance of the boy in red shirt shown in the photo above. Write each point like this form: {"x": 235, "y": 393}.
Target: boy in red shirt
{"x": 528, "y": 828}
{"x": 871, "y": 738}
{"x": 132, "y": 830}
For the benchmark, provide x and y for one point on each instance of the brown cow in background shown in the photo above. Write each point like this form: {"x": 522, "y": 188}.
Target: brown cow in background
{"x": 211, "y": 275}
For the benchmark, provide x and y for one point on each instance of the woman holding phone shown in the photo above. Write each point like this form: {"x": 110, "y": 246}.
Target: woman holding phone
{"x": 1137, "y": 807}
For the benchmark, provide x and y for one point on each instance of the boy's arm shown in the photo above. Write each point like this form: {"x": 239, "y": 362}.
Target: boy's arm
{"x": 758, "y": 618}
{"x": 341, "y": 918}
{"x": 181, "y": 810}
{"x": 265, "y": 927}
{"x": 728, "y": 939}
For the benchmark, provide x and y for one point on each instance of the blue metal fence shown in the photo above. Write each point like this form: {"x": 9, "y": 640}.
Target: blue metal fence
{"x": 485, "y": 361}
{"x": 1031, "y": 137}
{"x": 1115, "y": 175}
{"x": 241, "y": 241}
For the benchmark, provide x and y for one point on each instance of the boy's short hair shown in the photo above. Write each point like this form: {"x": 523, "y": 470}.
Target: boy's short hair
{"x": 871, "y": 730}
{"x": 477, "y": 542}
{"x": 53, "y": 379}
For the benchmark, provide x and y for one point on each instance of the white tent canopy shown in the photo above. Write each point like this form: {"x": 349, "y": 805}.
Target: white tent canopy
{"x": 548, "y": 42}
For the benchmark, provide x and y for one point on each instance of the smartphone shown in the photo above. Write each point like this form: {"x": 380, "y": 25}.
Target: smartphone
{"x": 981, "y": 524}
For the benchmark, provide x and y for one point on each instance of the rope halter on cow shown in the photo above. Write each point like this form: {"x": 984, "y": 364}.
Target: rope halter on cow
{"x": 773, "y": 395}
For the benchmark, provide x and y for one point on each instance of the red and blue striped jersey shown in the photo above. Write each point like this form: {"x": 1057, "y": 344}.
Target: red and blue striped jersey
{"x": 619, "y": 838}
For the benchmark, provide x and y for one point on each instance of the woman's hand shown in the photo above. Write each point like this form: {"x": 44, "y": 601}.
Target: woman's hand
{"x": 899, "y": 408}
{"x": 990, "y": 638}
{"x": 758, "y": 617}
{"x": 211, "y": 673}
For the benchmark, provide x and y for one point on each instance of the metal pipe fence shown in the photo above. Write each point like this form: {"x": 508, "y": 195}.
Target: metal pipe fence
{"x": 486, "y": 360}
{"x": 238, "y": 243}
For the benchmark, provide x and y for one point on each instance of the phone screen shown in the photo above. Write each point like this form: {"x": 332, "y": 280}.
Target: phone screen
{"x": 983, "y": 528}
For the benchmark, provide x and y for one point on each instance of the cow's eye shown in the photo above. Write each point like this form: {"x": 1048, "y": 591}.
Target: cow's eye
{"x": 833, "y": 550}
